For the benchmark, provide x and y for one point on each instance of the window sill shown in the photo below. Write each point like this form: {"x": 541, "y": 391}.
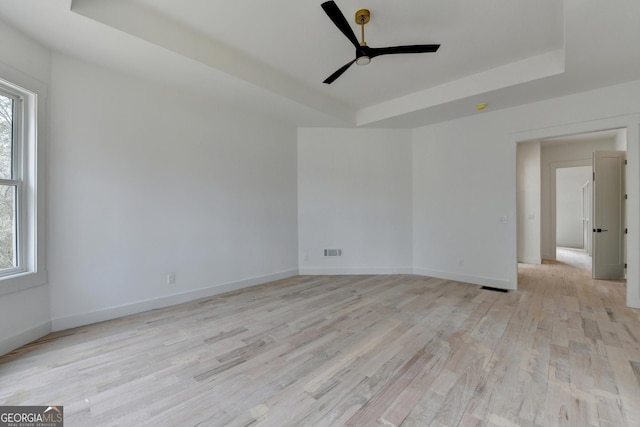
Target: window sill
{"x": 21, "y": 281}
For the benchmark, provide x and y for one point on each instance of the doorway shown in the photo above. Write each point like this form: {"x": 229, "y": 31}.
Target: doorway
{"x": 539, "y": 164}
{"x": 572, "y": 206}
{"x": 627, "y": 124}
{"x": 573, "y": 212}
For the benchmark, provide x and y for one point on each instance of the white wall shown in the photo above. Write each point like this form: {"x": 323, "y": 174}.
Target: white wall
{"x": 528, "y": 202}
{"x": 25, "y": 314}
{"x": 354, "y": 193}
{"x": 569, "y": 205}
{"x": 465, "y": 179}
{"x": 145, "y": 180}
{"x": 463, "y": 187}
{"x": 561, "y": 155}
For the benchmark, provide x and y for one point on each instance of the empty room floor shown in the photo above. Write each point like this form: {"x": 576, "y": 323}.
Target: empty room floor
{"x": 563, "y": 350}
{"x": 578, "y": 258}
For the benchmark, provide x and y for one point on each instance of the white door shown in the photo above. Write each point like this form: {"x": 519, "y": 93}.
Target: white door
{"x": 608, "y": 214}
{"x": 586, "y": 217}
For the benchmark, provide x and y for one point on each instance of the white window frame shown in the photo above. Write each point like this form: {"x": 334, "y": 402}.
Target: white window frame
{"x": 29, "y": 133}
{"x": 16, "y": 181}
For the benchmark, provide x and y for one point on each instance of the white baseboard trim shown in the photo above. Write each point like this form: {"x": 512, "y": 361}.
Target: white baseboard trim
{"x": 82, "y": 319}
{"x": 109, "y": 313}
{"x": 354, "y": 270}
{"x": 530, "y": 260}
{"x": 570, "y": 245}
{"x": 474, "y": 280}
{"x": 24, "y": 337}
{"x": 483, "y": 281}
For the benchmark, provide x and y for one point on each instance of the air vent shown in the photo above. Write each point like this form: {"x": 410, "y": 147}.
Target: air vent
{"x": 489, "y": 288}
{"x": 333, "y": 252}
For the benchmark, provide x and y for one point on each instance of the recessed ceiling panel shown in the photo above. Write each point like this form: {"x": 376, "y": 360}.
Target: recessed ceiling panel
{"x": 297, "y": 39}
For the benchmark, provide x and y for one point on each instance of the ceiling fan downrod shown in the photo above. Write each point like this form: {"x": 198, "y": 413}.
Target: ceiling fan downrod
{"x": 362, "y": 17}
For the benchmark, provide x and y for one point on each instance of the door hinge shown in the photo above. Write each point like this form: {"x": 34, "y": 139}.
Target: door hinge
{"x": 594, "y": 176}
{"x": 625, "y": 197}
{"x": 626, "y": 231}
{"x": 625, "y": 265}
{"x": 625, "y": 162}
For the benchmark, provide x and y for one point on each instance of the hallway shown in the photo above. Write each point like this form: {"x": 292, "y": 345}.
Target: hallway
{"x": 578, "y": 258}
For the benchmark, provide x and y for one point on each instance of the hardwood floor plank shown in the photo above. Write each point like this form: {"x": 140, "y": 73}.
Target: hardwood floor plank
{"x": 562, "y": 350}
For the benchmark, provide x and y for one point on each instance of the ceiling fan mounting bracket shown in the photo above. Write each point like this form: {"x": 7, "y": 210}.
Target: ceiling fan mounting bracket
{"x": 363, "y": 16}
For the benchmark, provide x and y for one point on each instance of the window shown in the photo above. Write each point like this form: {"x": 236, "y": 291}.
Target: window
{"x": 21, "y": 227}
{"x": 10, "y": 184}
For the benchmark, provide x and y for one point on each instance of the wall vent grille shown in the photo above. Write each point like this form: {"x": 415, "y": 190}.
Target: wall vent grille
{"x": 333, "y": 252}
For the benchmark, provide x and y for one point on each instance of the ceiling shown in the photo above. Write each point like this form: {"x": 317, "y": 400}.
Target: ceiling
{"x": 273, "y": 56}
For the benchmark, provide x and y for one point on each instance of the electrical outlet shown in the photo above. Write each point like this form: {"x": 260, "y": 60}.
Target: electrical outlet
{"x": 171, "y": 278}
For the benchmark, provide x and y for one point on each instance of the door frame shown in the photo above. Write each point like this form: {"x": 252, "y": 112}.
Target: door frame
{"x": 630, "y": 122}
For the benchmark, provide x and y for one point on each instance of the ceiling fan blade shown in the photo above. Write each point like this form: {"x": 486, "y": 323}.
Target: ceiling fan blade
{"x": 338, "y": 73}
{"x": 334, "y": 13}
{"x": 416, "y": 48}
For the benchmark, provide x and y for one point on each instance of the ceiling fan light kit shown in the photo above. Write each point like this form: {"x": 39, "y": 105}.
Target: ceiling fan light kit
{"x": 364, "y": 53}
{"x": 363, "y": 60}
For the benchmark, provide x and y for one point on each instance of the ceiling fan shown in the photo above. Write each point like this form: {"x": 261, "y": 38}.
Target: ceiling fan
{"x": 364, "y": 53}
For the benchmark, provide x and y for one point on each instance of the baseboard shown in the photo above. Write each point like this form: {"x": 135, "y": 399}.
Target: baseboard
{"x": 109, "y": 313}
{"x": 474, "y": 280}
{"x": 550, "y": 257}
{"x": 570, "y": 245}
{"x": 530, "y": 260}
{"x": 354, "y": 270}
{"x": 482, "y": 281}
{"x": 24, "y": 337}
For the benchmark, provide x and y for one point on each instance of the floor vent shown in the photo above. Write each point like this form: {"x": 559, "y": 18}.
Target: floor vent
{"x": 489, "y": 288}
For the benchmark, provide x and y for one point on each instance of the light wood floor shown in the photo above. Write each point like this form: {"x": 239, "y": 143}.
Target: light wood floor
{"x": 578, "y": 258}
{"x": 563, "y": 350}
